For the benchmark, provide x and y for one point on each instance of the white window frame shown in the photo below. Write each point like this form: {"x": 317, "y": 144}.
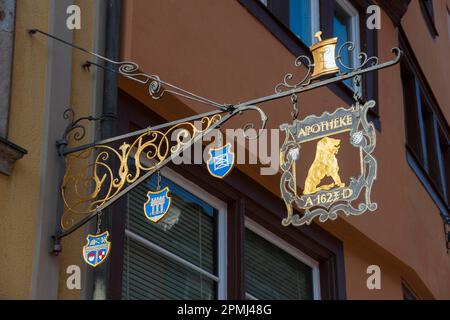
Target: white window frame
{"x": 221, "y": 207}
{"x": 354, "y": 36}
{"x": 289, "y": 249}
{"x": 354, "y": 28}
{"x": 315, "y": 19}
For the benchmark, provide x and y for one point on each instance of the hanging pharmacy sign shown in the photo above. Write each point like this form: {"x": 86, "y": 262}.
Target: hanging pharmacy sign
{"x": 99, "y": 173}
{"x": 324, "y": 192}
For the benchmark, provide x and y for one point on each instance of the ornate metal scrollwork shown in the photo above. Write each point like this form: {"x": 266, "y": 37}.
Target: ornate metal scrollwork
{"x": 74, "y": 128}
{"x": 286, "y": 85}
{"x": 155, "y": 86}
{"x": 131, "y": 71}
{"x": 248, "y": 126}
{"x": 86, "y": 187}
{"x": 364, "y": 64}
{"x": 362, "y": 135}
{"x": 98, "y": 173}
{"x": 364, "y": 59}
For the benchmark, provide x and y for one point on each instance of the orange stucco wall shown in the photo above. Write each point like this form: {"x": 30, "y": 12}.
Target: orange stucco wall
{"x": 218, "y": 49}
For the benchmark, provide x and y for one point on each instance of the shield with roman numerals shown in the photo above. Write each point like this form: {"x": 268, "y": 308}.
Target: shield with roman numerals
{"x": 157, "y": 205}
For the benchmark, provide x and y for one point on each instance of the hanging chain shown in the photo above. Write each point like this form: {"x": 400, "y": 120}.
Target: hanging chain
{"x": 357, "y": 94}
{"x": 220, "y": 139}
{"x": 294, "y": 112}
{"x": 99, "y": 222}
{"x": 158, "y": 181}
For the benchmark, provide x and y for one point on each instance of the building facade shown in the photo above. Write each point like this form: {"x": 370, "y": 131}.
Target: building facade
{"x": 223, "y": 238}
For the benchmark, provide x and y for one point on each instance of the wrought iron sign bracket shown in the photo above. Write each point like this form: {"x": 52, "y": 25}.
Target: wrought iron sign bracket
{"x": 152, "y": 144}
{"x": 131, "y": 71}
{"x": 284, "y": 89}
{"x": 328, "y": 67}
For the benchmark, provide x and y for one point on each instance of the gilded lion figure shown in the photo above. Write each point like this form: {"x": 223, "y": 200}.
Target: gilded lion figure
{"x": 325, "y": 165}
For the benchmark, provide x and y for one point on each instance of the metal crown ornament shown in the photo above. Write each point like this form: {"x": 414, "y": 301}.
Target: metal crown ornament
{"x": 324, "y": 56}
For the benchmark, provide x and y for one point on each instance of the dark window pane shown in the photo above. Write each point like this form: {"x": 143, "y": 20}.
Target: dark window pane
{"x": 407, "y": 293}
{"x": 428, "y": 13}
{"x": 271, "y": 273}
{"x": 148, "y": 275}
{"x": 296, "y": 15}
{"x": 192, "y": 237}
{"x": 445, "y": 152}
{"x": 342, "y": 30}
{"x": 428, "y": 4}
{"x": 411, "y": 114}
{"x": 280, "y": 9}
{"x": 300, "y": 19}
{"x": 431, "y": 150}
{"x": 188, "y": 231}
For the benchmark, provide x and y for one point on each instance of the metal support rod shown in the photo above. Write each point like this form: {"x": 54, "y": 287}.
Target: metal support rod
{"x": 130, "y": 70}
{"x": 148, "y": 174}
{"x": 309, "y": 87}
{"x": 182, "y": 93}
{"x": 224, "y": 107}
{"x": 323, "y": 83}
